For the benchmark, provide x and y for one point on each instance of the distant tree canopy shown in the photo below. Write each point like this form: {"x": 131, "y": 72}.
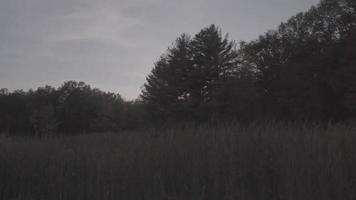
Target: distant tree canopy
{"x": 74, "y": 107}
{"x": 304, "y": 70}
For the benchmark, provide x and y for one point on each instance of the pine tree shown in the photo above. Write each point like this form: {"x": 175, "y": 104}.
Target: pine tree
{"x": 166, "y": 90}
{"x": 215, "y": 59}
{"x": 188, "y": 78}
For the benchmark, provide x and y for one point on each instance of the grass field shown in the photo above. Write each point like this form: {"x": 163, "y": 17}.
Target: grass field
{"x": 259, "y": 162}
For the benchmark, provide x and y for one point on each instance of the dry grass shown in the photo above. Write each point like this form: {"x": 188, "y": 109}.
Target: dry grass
{"x": 267, "y": 162}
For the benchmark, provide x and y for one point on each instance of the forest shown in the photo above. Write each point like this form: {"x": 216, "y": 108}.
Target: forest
{"x": 302, "y": 71}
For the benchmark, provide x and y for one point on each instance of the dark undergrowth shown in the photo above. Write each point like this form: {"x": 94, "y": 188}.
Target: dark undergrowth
{"x": 259, "y": 162}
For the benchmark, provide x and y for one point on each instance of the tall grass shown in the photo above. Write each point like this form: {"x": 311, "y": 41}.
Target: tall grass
{"x": 270, "y": 161}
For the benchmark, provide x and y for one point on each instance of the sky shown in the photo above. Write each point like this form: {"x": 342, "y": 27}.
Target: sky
{"x": 113, "y": 44}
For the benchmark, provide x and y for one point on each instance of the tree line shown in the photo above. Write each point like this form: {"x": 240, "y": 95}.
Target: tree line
{"x": 74, "y": 107}
{"x": 305, "y": 70}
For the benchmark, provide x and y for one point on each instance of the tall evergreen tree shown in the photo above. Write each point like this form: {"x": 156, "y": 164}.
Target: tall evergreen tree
{"x": 189, "y": 77}
{"x": 215, "y": 60}
{"x": 166, "y": 90}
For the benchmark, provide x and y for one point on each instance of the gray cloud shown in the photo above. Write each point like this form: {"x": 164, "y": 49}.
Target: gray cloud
{"x": 112, "y": 44}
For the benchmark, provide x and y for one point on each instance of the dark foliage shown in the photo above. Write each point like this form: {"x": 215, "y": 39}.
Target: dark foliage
{"x": 74, "y": 107}
{"x": 304, "y": 70}
{"x": 188, "y": 79}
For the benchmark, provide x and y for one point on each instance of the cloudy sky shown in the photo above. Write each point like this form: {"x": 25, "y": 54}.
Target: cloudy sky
{"x": 112, "y": 44}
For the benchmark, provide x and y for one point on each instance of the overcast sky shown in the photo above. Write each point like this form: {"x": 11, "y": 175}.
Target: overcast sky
{"x": 112, "y": 44}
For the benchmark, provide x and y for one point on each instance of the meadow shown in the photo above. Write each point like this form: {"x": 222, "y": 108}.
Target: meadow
{"x": 257, "y": 162}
